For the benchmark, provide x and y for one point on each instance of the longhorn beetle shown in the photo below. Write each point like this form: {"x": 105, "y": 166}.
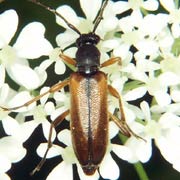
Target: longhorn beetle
{"x": 88, "y": 100}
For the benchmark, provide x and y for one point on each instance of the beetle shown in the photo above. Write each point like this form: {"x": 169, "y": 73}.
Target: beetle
{"x": 89, "y": 89}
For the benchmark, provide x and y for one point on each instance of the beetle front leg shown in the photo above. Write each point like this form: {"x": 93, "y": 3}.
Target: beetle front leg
{"x": 111, "y": 61}
{"x": 54, "y": 124}
{"x": 68, "y": 59}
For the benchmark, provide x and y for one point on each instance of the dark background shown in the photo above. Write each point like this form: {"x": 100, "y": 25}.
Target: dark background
{"x": 157, "y": 168}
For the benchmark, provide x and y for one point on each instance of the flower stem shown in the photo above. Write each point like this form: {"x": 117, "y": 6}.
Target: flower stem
{"x": 176, "y": 3}
{"x": 141, "y": 171}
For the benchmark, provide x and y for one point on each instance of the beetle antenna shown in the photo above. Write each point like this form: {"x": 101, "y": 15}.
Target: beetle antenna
{"x": 58, "y": 14}
{"x": 99, "y": 16}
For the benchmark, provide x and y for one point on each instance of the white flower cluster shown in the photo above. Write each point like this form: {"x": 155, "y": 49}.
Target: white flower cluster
{"x": 152, "y": 68}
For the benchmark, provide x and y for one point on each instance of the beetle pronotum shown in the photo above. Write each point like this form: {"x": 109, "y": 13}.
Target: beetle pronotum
{"x": 88, "y": 91}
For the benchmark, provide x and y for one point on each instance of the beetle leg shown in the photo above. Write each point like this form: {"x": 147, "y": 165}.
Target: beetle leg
{"x": 114, "y": 93}
{"x": 121, "y": 123}
{"x": 54, "y": 88}
{"x": 54, "y": 124}
{"x": 68, "y": 59}
{"x": 111, "y": 61}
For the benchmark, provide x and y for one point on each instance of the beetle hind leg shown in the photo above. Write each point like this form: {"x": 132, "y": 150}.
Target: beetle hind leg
{"x": 54, "y": 124}
{"x": 121, "y": 123}
{"x": 123, "y": 126}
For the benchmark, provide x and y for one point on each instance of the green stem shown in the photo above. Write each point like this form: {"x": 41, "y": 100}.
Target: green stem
{"x": 141, "y": 171}
{"x": 176, "y": 3}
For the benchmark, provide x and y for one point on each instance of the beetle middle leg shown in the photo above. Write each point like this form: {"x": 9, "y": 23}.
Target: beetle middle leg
{"x": 54, "y": 124}
{"x": 121, "y": 123}
{"x": 53, "y": 89}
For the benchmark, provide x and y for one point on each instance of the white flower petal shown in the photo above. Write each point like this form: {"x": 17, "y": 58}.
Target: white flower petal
{"x": 174, "y": 108}
{"x": 49, "y": 108}
{"x": 169, "y": 146}
{"x": 152, "y": 24}
{"x": 151, "y": 5}
{"x": 55, "y": 150}
{"x": 54, "y": 55}
{"x": 19, "y": 100}
{"x": 2, "y": 75}
{"x": 171, "y": 64}
{"x": 129, "y": 114}
{"x": 4, "y": 176}
{"x": 58, "y": 112}
{"x": 154, "y": 85}
{"x": 126, "y": 24}
{"x": 109, "y": 169}
{"x": 25, "y": 130}
{"x": 71, "y": 52}
{"x": 31, "y": 42}
{"x": 110, "y": 44}
{"x": 141, "y": 150}
{"x": 12, "y": 149}
{"x": 147, "y": 66}
{"x": 169, "y": 121}
{"x": 120, "y": 7}
{"x": 175, "y": 95}
{"x": 66, "y": 39}
{"x": 144, "y": 46}
{"x": 5, "y": 165}
{"x": 113, "y": 129}
{"x": 122, "y": 151}
{"x": 44, "y": 65}
{"x": 68, "y": 155}
{"x": 45, "y": 97}
{"x": 60, "y": 97}
{"x": 146, "y": 111}
{"x": 24, "y": 76}
{"x": 169, "y": 79}
{"x": 60, "y": 68}
{"x": 166, "y": 40}
{"x": 162, "y": 98}
{"x": 65, "y": 137}
{"x": 69, "y": 15}
{"x": 175, "y": 30}
{"x": 122, "y": 51}
{"x": 136, "y": 111}
{"x": 168, "y": 5}
{"x": 41, "y": 74}
{"x": 46, "y": 128}
{"x": 5, "y": 93}
{"x": 10, "y": 125}
{"x": 135, "y": 93}
{"x": 8, "y": 24}
{"x": 61, "y": 171}
{"x": 176, "y": 165}
{"x": 136, "y": 18}
{"x": 90, "y": 8}
{"x": 39, "y": 115}
{"x": 139, "y": 75}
